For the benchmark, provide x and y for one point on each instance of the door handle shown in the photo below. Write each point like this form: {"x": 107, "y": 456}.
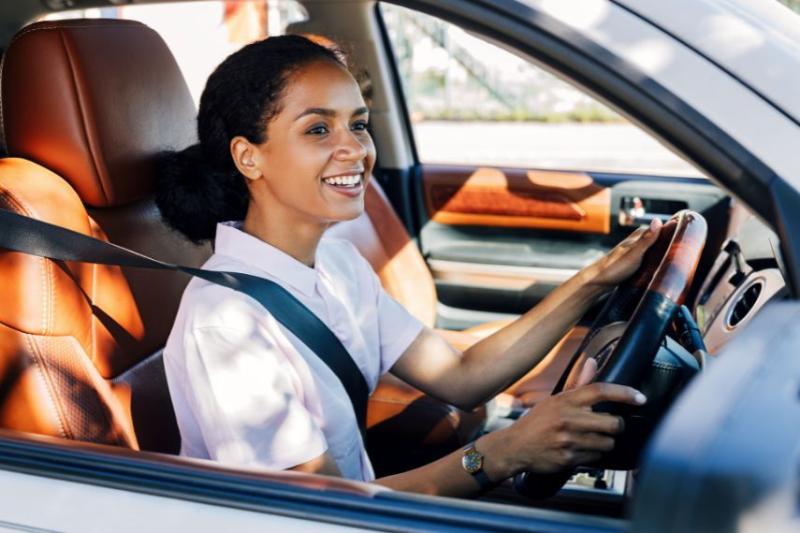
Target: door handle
{"x": 633, "y": 213}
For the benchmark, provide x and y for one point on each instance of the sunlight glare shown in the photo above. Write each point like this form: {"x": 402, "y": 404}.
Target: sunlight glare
{"x": 737, "y": 36}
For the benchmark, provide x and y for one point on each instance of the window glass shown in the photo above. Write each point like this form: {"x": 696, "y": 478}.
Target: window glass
{"x": 201, "y": 34}
{"x": 472, "y": 102}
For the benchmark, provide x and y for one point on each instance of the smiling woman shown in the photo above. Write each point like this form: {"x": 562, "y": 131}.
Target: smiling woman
{"x": 284, "y": 153}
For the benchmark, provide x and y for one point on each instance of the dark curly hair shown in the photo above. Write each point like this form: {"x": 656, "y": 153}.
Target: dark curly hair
{"x": 200, "y": 186}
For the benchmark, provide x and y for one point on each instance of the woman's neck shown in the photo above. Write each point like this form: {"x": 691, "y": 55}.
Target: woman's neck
{"x": 299, "y": 239}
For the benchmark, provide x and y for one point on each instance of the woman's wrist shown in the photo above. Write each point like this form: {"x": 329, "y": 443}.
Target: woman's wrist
{"x": 499, "y": 462}
{"x": 591, "y": 282}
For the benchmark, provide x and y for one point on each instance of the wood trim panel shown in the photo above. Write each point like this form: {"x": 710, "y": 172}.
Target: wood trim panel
{"x": 539, "y": 199}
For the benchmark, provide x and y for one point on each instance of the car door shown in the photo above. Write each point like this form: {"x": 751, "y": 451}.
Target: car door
{"x": 520, "y": 179}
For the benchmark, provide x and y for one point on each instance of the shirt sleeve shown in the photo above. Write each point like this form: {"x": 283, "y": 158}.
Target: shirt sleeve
{"x": 247, "y": 400}
{"x": 397, "y": 328}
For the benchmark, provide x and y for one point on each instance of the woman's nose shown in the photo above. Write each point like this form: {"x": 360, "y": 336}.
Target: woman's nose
{"x": 350, "y": 146}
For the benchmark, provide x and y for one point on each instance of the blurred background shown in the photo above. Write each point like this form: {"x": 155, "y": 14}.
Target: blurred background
{"x": 469, "y": 101}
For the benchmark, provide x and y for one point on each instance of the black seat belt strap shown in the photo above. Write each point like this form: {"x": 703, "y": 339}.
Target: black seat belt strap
{"x": 24, "y": 234}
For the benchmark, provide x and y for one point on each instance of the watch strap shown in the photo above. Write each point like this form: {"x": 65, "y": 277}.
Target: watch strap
{"x": 483, "y": 480}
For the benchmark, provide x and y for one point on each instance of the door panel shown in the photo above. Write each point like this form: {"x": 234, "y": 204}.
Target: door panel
{"x": 487, "y": 196}
{"x": 498, "y": 240}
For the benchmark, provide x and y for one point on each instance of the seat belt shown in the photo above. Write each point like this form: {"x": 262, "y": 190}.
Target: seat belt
{"x": 27, "y": 235}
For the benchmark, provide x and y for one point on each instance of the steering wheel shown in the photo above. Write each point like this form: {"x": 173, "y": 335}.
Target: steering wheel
{"x": 628, "y": 341}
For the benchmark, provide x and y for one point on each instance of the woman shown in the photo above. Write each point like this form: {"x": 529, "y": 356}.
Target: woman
{"x": 284, "y": 149}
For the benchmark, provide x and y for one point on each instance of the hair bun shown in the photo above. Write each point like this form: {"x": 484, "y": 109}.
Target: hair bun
{"x": 193, "y": 197}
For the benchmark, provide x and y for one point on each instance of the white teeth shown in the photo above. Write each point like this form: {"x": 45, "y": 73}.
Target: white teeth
{"x": 350, "y": 180}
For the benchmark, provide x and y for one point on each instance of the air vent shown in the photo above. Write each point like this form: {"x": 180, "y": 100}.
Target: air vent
{"x": 742, "y": 308}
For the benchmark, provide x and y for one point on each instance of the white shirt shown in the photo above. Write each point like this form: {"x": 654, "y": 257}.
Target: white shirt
{"x": 246, "y": 391}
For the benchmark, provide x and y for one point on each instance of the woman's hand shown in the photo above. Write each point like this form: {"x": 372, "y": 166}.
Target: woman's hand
{"x": 560, "y": 432}
{"x": 621, "y": 262}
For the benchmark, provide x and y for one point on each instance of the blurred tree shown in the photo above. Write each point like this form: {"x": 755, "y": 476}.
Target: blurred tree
{"x": 794, "y": 5}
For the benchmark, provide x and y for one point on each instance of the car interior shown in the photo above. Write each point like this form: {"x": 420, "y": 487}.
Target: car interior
{"x": 87, "y": 104}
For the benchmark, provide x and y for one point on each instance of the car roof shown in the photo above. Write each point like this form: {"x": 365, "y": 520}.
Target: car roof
{"x": 757, "y": 42}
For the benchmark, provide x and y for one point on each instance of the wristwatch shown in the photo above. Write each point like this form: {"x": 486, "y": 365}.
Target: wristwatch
{"x": 472, "y": 461}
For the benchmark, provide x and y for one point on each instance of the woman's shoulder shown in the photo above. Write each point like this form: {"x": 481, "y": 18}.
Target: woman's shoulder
{"x": 208, "y": 305}
{"x": 340, "y": 252}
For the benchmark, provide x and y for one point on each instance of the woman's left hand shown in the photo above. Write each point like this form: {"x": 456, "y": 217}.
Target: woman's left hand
{"x": 621, "y": 262}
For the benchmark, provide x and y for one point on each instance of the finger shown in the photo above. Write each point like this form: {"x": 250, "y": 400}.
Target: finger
{"x": 587, "y": 372}
{"x": 579, "y": 458}
{"x": 592, "y": 442}
{"x": 605, "y": 392}
{"x": 590, "y": 422}
{"x": 635, "y": 236}
{"x": 652, "y": 231}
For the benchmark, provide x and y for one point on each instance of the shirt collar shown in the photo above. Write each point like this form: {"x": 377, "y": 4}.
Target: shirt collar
{"x": 232, "y": 242}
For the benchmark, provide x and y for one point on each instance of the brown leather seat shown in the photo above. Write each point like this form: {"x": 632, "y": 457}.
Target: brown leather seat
{"x": 86, "y": 105}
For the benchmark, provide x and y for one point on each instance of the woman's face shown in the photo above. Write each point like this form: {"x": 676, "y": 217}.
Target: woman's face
{"x": 318, "y": 156}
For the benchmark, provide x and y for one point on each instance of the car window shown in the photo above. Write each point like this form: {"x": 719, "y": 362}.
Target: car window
{"x": 207, "y": 31}
{"x": 471, "y": 102}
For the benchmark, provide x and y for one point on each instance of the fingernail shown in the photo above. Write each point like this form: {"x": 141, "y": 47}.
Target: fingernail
{"x": 640, "y": 398}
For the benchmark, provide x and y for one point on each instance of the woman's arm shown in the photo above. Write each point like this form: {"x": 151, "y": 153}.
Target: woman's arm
{"x": 558, "y": 433}
{"x": 324, "y": 464}
{"x": 485, "y": 369}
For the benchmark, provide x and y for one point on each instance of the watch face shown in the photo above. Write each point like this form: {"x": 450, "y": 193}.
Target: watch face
{"x": 472, "y": 461}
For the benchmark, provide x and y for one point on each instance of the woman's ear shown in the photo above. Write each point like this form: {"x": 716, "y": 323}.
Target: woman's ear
{"x": 246, "y": 157}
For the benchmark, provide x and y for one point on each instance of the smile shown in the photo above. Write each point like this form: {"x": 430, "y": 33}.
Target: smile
{"x": 351, "y": 185}
{"x": 346, "y": 181}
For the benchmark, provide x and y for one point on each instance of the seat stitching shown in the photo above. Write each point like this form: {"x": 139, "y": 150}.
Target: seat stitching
{"x": 45, "y": 298}
{"x": 94, "y": 321}
{"x": 44, "y": 373}
{"x": 57, "y": 26}
{"x": 113, "y": 430}
{"x": 2, "y": 115}
{"x": 20, "y": 206}
{"x": 85, "y": 122}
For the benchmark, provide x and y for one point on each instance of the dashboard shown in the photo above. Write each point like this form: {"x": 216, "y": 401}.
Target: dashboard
{"x": 746, "y": 274}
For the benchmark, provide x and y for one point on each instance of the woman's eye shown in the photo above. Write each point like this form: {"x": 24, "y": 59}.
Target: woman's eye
{"x": 361, "y": 125}
{"x": 318, "y": 130}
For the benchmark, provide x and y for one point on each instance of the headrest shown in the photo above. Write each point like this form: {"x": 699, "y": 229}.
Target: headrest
{"x": 94, "y": 101}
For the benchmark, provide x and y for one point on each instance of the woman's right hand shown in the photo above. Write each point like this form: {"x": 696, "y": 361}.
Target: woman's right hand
{"x": 562, "y": 431}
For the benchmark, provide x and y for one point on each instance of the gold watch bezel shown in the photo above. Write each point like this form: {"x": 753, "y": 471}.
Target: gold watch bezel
{"x": 472, "y": 460}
